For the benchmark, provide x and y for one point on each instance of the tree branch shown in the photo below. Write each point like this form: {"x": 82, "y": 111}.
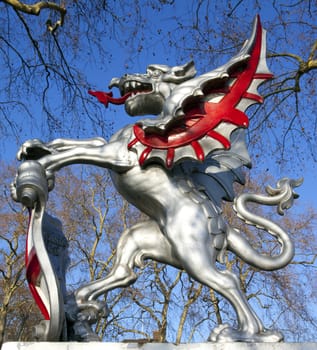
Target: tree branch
{"x": 303, "y": 66}
{"x": 36, "y": 9}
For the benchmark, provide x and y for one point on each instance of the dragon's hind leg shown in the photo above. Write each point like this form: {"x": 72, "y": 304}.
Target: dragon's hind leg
{"x": 194, "y": 245}
{"x": 143, "y": 241}
{"x": 227, "y": 284}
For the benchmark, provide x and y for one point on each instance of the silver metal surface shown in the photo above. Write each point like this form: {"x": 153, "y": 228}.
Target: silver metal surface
{"x": 180, "y": 187}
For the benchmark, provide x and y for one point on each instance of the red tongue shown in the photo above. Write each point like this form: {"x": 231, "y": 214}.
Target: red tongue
{"x": 106, "y": 97}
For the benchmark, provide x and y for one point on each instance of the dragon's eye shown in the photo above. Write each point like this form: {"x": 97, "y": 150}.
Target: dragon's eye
{"x": 155, "y": 73}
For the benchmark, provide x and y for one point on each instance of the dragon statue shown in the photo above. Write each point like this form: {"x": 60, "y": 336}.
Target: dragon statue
{"x": 176, "y": 168}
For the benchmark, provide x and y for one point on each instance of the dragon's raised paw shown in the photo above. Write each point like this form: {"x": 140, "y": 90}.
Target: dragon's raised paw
{"x": 33, "y": 149}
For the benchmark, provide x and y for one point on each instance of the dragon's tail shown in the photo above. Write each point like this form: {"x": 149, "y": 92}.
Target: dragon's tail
{"x": 283, "y": 197}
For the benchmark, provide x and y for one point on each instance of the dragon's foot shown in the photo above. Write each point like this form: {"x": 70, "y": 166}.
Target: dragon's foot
{"x": 92, "y": 310}
{"x": 225, "y": 334}
{"x": 81, "y": 316}
{"x": 81, "y": 331}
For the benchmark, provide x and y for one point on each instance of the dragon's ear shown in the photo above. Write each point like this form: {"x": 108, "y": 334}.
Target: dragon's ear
{"x": 179, "y": 74}
{"x": 188, "y": 70}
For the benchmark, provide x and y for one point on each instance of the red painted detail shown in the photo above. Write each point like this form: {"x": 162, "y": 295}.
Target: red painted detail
{"x": 223, "y": 140}
{"x": 33, "y": 272}
{"x": 39, "y": 302}
{"x": 132, "y": 143}
{"x": 33, "y": 268}
{"x": 263, "y": 76}
{"x": 255, "y": 97}
{"x": 106, "y": 97}
{"x": 170, "y": 157}
{"x": 198, "y": 150}
{"x": 144, "y": 155}
{"x": 192, "y": 118}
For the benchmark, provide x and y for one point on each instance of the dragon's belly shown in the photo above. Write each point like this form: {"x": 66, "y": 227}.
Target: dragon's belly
{"x": 166, "y": 199}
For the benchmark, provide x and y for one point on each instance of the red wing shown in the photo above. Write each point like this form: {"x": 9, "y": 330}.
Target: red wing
{"x": 207, "y": 125}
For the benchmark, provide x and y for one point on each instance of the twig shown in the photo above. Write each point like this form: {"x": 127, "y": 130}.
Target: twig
{"x": 36, "y": 9}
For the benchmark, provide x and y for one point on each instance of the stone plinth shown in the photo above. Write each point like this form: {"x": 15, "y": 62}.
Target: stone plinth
{"x": 157, "y": 346}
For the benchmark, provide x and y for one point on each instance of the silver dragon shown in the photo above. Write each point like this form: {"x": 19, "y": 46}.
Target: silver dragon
{"x": 177, "y": 168}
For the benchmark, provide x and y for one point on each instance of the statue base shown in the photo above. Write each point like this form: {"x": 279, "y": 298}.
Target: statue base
{"x": 156, "y": 346}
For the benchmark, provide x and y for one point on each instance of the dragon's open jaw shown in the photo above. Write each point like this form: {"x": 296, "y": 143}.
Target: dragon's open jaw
{"x": 134, "y": 87}
{"x": 128, "y": 89}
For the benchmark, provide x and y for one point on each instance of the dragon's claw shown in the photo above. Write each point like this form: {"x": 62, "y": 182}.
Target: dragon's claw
{"x": 33, "y": 149}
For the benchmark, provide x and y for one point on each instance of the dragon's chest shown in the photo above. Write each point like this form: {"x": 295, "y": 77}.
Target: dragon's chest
{"x": 145, "y": 182}
{"x": 149, "y": 189}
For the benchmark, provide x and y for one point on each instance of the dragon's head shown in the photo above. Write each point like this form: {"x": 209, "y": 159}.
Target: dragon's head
{"x": 146, "y": 93}
{"x": 194, "y": 115}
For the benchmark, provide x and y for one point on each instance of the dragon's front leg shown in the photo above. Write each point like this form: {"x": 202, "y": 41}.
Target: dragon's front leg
{"x": 56, "y": 154}
{"x": 36, "y": 149}
{"x": 37, "y": 156}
